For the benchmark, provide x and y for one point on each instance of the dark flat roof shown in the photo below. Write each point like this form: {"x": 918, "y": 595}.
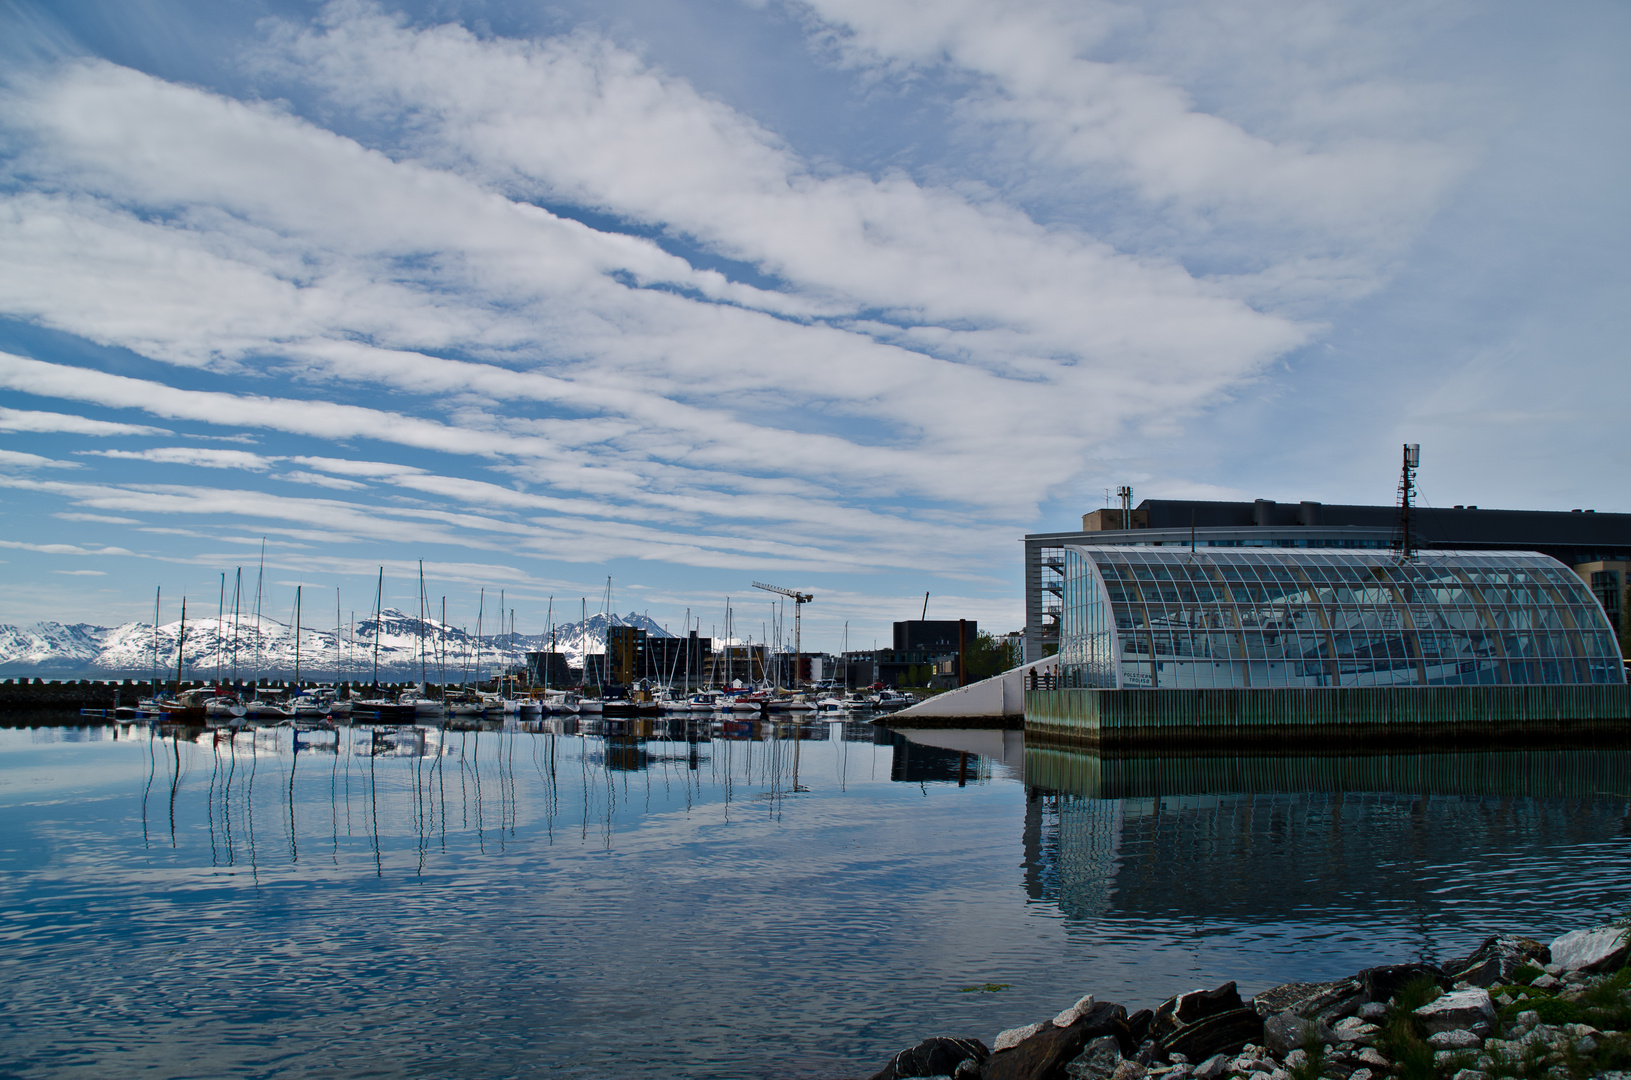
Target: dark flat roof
{"x": 1435, "y": 526}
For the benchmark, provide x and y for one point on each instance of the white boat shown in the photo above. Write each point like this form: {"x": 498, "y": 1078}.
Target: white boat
{"x": 591, "y": 706}
{"x": 831, "y": 705}
{"x": 560, "y": 702}
{"x": 705, "y": 701}
{"x": 419, "y": 703}
{"x": 225, "y": 707}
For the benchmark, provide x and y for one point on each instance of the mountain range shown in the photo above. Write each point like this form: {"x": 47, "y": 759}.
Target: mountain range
{"x": 267, "y": 648}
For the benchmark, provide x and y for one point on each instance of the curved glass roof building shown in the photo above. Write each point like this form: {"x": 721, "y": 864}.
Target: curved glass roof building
{"x": 1172, "y": 617}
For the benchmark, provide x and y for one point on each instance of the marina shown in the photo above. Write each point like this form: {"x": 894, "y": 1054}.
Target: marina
{"x": 518, "y": 897}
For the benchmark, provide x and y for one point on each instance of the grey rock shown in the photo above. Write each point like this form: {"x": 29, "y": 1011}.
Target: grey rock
{"x": 1591, "y": 950}
{"x": 1250, "y": 1063}
{"x": 1258, "y": 1075}
{"x": 1546, "y": 982}
{"x": 1470, "y": 1074}
{"x": 1328, "y": 1002}
{"x": 1129, "y": 1070}
{"x": 1212, "y": 1068}
{"x": 1454, "y": 1040}
{"x": 1279, "y": 1074}
{"x": 1553, "y": 968}
{"x": 1504, "y": 1000}
{"x": 1528, "y": 1018}
{"x": 1069, "y": 1016}
{"x": 1373, "y": 1058}
{"x": 1586, "y": 1045}
{"x": 1180, "y": 1072}
{"x": 1014, "y": 1036}
{"x": 1576, "y": 978}
{"x": 1361, "y": 1074}
{"x": 1285, "y": 1032}
{"x": 933, "y": 1057}
{"x": 1296, "y": 1059}
{"x": 1178, "y": 1059}
{"x": 1497, "y": 959}
{"x": 968, "y": 1070}
{"x": 1372, "y": 1011}
{"x": 1097, "y": 1061}
{"x": 1459, "y": 1009}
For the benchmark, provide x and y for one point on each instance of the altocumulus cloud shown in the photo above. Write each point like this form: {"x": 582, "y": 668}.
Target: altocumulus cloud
{"x": 456, "y": 289}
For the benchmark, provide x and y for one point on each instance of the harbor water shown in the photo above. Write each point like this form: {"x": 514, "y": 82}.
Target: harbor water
{"x": 719, "y": 899}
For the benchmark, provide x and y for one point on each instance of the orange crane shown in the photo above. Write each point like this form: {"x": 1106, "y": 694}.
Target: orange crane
{"x": 799, "y": 600}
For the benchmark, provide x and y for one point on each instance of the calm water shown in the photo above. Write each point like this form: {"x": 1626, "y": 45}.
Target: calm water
{"x": 420, "y": 903}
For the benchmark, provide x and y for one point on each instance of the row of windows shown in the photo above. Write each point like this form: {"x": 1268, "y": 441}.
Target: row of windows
{"x": 1328, "y": 618}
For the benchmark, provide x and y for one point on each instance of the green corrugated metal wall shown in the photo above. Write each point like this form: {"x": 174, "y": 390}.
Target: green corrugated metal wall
{"x": 1403, "y": 715}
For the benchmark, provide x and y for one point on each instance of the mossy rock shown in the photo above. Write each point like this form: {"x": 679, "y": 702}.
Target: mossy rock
{"x": 1552, "y": 1010}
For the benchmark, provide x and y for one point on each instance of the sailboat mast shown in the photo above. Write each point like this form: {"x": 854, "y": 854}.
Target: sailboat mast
{"x": 181, "y": 646}
{"x": 423, "y": 604}
{"x": 338, "y": 630}
{"x": 220, "y": 617}
{"x": 481, "y": 609}
{"x": 237, "y": 604}
{"x": 379, "y": 598}
{"x": 297, "y": 637}
{"x": 154, "y": 670}
{"x": 260, "y": 580}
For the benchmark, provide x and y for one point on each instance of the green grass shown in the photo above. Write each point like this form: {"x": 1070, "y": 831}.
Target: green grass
{"x": 1402, "y": 1040}
{"x": 1552, "y": 1010}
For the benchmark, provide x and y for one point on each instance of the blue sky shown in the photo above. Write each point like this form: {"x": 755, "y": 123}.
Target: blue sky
{"x": 837, "y": 294}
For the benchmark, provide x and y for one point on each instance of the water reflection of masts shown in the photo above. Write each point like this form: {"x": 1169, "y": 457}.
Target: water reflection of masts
{"x": 152, "y": 768}
{"x": 294, "y": 761}
{"x": 175, "y": 782}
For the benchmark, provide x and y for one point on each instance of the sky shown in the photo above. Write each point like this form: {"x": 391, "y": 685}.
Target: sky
{"x": 840, "y": 295}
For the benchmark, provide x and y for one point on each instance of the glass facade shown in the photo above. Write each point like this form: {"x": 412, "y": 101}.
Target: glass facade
{"x": 1169, "y": 617}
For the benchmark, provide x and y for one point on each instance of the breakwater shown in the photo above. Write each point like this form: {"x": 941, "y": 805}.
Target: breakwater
{"x": 29, "y": 696}
{"x": 1515, "y": 1009}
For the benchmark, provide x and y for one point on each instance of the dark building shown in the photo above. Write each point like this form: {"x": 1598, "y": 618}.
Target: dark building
{"x": 934, "y": 635}
{"x": 680, "y": 661}
{"x": 626, "y": 659}
{"x": 550, "y": 669}
{"x": 1576, "y": 538}
{"x": 634, "y": 655}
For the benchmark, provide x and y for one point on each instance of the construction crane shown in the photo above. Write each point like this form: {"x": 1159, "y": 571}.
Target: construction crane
{"x": 799, "y": 600}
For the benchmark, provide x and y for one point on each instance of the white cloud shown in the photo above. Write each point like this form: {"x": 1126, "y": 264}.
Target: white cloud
{"x": 191, "y": 455}
{"x": 82, "y": 573}
{"x": 102, "y": 519}
{"x": 44, "y": 422}
{"x": 16, "y": 459}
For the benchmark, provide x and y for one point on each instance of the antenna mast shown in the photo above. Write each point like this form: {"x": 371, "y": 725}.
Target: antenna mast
{"x": 1402, "y": 540}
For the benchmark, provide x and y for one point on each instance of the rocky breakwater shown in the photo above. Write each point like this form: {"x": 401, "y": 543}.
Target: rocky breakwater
{"x": 1516, "y": 1009}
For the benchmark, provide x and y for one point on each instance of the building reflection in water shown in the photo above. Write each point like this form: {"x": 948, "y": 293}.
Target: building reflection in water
{"x": 1431, "y": 838}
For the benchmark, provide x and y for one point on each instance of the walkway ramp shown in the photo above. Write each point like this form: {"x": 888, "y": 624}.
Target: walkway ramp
{"x": 995, "y": 702}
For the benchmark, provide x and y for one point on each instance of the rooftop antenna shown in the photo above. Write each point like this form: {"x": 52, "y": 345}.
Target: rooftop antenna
{"x": 1407, "y": 486}
{"x": 1125, "y": 493}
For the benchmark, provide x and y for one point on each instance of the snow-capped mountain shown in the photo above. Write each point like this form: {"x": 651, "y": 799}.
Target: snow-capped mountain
{"x": 401, "y": 644}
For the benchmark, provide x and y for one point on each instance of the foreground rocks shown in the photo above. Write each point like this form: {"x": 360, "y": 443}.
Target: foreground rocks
{"x": 1515, "y": 1009}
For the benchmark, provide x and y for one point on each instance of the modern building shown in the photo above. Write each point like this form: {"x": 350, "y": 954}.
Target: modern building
{"x": 1240, "y": 643}
{"x": 1163, "y": 618}
{"x": 1608, "y": 580}
{"x": 1574, "y": 538}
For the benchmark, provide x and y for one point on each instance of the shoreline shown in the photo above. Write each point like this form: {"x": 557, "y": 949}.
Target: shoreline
{"x": 1515, "y": 1009}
